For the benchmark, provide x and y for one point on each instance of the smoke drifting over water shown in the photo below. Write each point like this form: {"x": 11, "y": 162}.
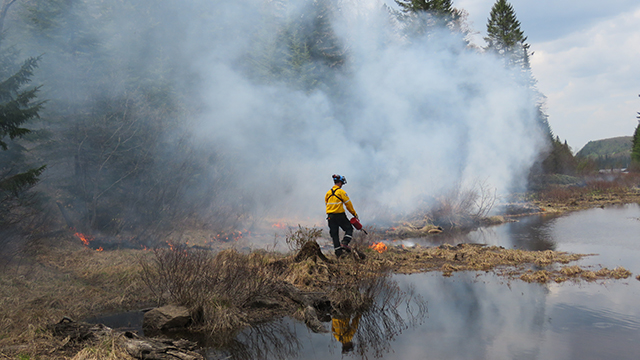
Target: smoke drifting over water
{"x": 416, "y": 118}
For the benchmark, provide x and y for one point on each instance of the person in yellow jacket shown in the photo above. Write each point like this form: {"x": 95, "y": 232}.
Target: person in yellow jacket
{"x": 343, "y": 331}
{"x": 335, "y": 200}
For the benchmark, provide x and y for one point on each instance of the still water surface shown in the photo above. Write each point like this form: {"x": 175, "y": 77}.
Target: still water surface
{"x": 480, "y": 316}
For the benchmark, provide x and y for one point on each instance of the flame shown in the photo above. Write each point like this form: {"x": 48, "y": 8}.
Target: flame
{"x": 85, "y": 239}
{"x": 100, "y": 249}
{"x": 233, "y": 235}
{"x": 279, "y": 225}
{"x": 379, "y": 247}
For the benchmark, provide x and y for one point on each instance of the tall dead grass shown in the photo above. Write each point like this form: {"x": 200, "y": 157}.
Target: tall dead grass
{"x": 616, "y": 184}
{"x": 295, "y": 239}
{"x": 462, "y": 206}
{"x": 215, "y": 287}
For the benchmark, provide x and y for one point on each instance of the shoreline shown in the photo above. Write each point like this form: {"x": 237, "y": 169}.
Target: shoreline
{"x": 68, "y": 280}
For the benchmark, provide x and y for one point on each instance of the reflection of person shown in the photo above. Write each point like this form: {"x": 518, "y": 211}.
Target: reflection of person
{"x": 343, "y": 331}
{"x": 336, "y": 217}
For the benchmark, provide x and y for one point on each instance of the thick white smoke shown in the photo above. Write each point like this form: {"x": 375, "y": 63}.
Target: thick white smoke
{"x": 422, "y": 116}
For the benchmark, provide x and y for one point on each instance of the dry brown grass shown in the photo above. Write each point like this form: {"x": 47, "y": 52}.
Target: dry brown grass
{"x": 222, "y": 288}
{"x": 467, "y": 257}
{"x": 65, "y": 280}
{"x": 75, "y": 284}
{"x": 595, "y": 191}
{"x": 217, "y": 288}
{"x": 506, "y": 262}
{"x": 296, "y": 238}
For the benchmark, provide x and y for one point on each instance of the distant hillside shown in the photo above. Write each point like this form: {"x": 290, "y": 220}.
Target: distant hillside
{"x": 608, "y": 153}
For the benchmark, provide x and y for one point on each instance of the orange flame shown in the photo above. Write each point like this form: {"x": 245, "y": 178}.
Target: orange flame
{"x": 85, "y": 239}
{"x": 100, "y": 249}
{"x": 379, "y": 247}
{"x": 279, "y": 225}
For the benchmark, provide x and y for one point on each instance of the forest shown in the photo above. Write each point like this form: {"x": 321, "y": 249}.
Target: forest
{"x": 135, "y": 119}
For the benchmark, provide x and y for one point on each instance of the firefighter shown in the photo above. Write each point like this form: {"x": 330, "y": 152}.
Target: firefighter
{"x": 335, "y": 200}
{"x": 344, "y": 330}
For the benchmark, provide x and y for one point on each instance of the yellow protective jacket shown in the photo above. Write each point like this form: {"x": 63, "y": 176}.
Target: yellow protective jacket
{"x": 334, "y": 200}
{"x": 342, "y": 330}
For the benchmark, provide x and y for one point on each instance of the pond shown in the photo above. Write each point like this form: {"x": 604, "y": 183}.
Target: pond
{"x": 477, "y": 315}
{"x": 474, "y": 315}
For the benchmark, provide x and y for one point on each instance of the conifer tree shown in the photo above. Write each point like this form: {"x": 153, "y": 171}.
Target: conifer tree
{"x": 504, "y": 35}
{"x": 441, "y": 12}
{"x": 635, "y": 147}
{"x": 17, "y": 106}
{"x": 435, "y": 7}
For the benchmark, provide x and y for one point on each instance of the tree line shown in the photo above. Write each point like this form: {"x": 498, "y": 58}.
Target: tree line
{"x": 111, "y": 148}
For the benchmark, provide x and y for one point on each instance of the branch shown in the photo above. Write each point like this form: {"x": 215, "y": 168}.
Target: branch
{"x": 3, "y": 12}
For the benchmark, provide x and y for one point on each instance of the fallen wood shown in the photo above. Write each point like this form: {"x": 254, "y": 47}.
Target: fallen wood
{"x": 159, "y": 349}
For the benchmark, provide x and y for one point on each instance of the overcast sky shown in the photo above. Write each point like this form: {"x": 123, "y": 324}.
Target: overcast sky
{"x": 586, "y": 60}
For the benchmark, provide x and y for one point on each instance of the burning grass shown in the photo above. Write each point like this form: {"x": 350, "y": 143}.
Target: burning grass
{"x": 64, "y": 280}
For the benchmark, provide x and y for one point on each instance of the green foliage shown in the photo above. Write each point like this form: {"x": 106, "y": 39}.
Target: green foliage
{"x": 440, "y": 8}
{"x": 611, "y": 146}
{"x": 504, "y": 35}
{"x": 560, "y": 159}
{"x": 613, "y": 153}
{"x": 17, "y": 106}
{"x": 302, "y": 50}
{"x": 635, "y": 144}
{"x": 421, "y": 16}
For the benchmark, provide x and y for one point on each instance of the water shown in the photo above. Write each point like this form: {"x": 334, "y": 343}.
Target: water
{"x": 481, "y": 316}
{"x": 477, "y": 315}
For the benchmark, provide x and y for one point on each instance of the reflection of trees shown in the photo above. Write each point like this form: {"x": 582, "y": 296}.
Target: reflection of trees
{"x": 485, "y": 320}
{"x": 532, "y": 233}
{"x": 390, "y": 311}
{"x": 383, "y": 321}
{"x": 272, "y": 340}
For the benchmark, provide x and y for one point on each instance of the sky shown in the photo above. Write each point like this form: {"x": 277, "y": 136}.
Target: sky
{"x": 586, "y": 56}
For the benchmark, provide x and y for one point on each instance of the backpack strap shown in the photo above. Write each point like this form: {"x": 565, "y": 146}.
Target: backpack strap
{"x": 333, "y": 193}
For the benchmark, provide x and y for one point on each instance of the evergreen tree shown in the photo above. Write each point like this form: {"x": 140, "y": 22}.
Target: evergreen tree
{"x": 440, "y": 8}
{"x": 440, "y": 12}
{"x": 504, "y": 35}
{"x": 635, "y": 147}
{"x": 305, "y": 47}
{"x": 17, "y": 106}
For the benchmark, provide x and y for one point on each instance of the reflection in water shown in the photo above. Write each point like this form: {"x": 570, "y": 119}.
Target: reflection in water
{"x": 343, "y": 328}
{"x": 477, "y": 315}
{"x": 273, "y": 340}
{"x": 361, "y": 332}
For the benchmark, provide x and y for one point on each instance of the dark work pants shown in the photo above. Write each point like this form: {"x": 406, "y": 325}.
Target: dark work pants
{"x": 337, "y": 221}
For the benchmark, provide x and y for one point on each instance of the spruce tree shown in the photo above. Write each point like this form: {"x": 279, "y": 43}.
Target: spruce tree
{"x": 17, "y": 106}
{"x": 504, "y": 35}
{"x": 440, "y": 12}
{"x": 435, "y": 7}
{"x": 635, "y": 147}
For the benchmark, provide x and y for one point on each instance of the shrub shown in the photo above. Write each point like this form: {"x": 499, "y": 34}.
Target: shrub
{"x": 296, "y": 239}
